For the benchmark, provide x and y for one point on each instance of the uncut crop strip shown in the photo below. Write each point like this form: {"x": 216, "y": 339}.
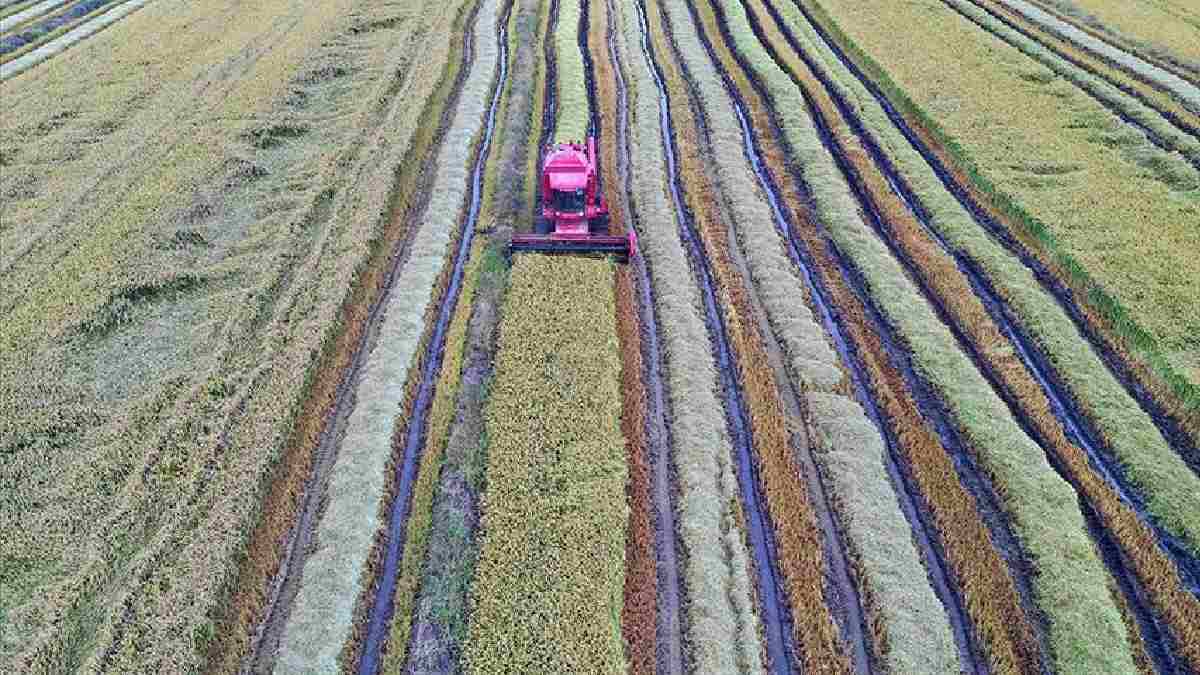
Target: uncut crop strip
{"x": 664, "y": 644}
{"x": 59, "y": 44}
{"x": 571, "y": 110}
{"x": 995, "y": 436}
{"x": 357, "y": 481}
{"x": 1128, "y": 71}
{"x": 714, "y": 564}
{"x": 642, "y": 421}
{"x": 1158, "y": 131}
{"x": 1157, "y": 465}
{"x": 953, "y": 292}
{"x": 1003, "y": 221}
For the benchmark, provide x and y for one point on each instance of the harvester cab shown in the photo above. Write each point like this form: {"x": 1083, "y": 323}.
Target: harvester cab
{"x": 574, "y": 216}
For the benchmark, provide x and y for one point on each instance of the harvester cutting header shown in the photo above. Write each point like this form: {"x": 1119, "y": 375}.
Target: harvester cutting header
{"x": 574, "y": 215}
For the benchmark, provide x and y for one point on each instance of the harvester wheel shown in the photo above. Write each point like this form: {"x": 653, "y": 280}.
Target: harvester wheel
{"x": 542, "y": 225}
{"x": 598, "y": 225}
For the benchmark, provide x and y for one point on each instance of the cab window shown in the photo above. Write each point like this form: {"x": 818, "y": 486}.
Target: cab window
{"x": 569, "y": 200}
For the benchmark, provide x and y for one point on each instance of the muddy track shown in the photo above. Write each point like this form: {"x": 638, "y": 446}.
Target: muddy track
{"x": 284, "y": 585}
{"x": 1075, "y": 425}
{"x": 668, "y": 615}
{"x": 773, "y": 610}
{"x": 1046, "y": 37}
{"x": 380, "y": 616}
{"x": 848, "y": 611}
{"x": 1125, "y": 117}
{"x": 1170, "y": 427}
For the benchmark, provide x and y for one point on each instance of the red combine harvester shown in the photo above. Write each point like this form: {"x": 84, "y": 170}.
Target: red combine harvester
{"x": 574, "y": 216}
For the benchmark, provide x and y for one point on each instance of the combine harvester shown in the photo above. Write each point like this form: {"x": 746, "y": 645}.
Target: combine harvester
{"x": 574, "y": 216}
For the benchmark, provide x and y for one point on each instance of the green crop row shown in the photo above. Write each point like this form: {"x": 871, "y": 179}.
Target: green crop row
{"x": 549, "y": 583}
{"x": 336, "y": 573}
{"x": 1042, "y": 507}
{"x": 571, "y": 114}
{"x": 721, "y": 627}
{"x": 1171, "y": 489}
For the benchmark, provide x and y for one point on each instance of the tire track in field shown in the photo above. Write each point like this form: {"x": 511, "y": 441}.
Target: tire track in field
{"x": 381, "y": 610}
{"x": 284, "y": 586}
{"x": 773, "y": 610}
{"x": 1074, "y": 427}
{"x": 668, "y": 614}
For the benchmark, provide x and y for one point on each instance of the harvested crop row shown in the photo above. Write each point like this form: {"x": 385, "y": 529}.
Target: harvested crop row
{"x": 639, "y": 613}
{"x": 1120, "y": 236}
{"x": 797, "y": 533}
{"x": 549, "y": 583}
{"x": 987, "y": 587}
{"x": 938, "y": 272}
{"x": 721, "y": 626}
{"x": 1075, "y": 43}
{"x": 851, "y": 453}
{"x": 335, "y": 574}
{"x": 179, "y": 466}
{"x": 1028, "y": 486}
{"x": 1152, "y": 466}
{"x": 571, "y": 112}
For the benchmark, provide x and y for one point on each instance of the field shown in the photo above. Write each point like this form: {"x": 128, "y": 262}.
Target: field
{"x": 903, "y": 376}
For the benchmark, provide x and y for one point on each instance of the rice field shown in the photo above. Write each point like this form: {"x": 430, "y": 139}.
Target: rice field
{"x": 902, "y": 377}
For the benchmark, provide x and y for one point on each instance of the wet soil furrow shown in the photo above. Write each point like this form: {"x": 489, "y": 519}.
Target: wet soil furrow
{"x": 773, "y": 610}
{"x": 1171, "y": 427}
{"x": 284, "y": 585}
{"x": 670, "y": 658}
{"x": 1061, "y": 401}
{"x": 381, "y": 611}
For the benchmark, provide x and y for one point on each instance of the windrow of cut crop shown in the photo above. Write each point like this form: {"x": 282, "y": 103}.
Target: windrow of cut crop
{"x": 1130, "y": 351}
{"x": 798, "y": 536}
{"x": 1159, "y": 130}
{"x": 571, "y": 112}
{"x": 251, "y": 595}
{"x": 639, "y": 613}
{"x": 851, "y": 454}
{"x": 952, "y": 290}
{"x": 721, "y": 628}
{"x": 1057, "y": 544}
{"x": 990, "y": 596}
{"x": 1175, "y": 99}
{"x": 334, "y": 576}
{"x": 1153, "y": 467}
{"x": 549, "y": 583}
{"x": 1136, "y": 28}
